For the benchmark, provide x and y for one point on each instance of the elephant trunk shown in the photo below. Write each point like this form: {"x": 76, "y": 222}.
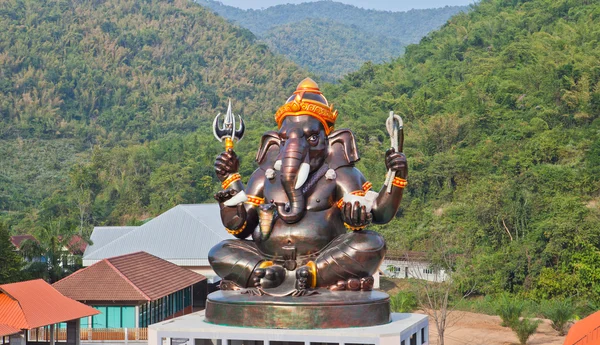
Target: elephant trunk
{"x": 294, "y": 173}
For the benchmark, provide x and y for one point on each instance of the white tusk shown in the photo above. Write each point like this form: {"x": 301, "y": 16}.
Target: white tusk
{"x": 277, "y": 165}
{"x": 302, "y": 175}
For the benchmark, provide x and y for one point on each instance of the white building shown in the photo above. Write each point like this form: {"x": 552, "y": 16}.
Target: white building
{"x": 412, "y": 265}
{"x": 183, "y": 235}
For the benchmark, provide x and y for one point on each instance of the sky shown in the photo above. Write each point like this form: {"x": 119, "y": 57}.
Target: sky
{"x": 385, "y": 5}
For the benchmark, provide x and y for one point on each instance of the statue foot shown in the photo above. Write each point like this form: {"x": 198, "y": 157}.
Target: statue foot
{"x": 304, "y": 277}
{"x": 339, "y": 286}
{"x": 354, "y": 284}
{"x": 269, "y": 277}
{"x": 228, "y": 285}
{"x": 366, "y": 283}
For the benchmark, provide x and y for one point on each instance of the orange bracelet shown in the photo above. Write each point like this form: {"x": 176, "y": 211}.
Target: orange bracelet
{"x": 354, "y": 228}
{"x": 340, "y": 202}
{"x": 254, "y": 200}
{"x": 231, "y": 179}
{"x": 366, "y": 186}
{"x": 399, "y": 182}
{"x": 237, "y": 231}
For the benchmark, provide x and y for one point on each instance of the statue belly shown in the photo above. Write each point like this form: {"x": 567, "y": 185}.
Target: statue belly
{"x": 308, "y": 236}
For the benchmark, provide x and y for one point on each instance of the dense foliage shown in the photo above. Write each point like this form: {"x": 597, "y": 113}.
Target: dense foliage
{"x": 332, "y": 39}
{"x": 115, "y": 73}
{"x": 502, "y": 110}
{"x": 10, "y": 262}
{"x": 330, "y": 49}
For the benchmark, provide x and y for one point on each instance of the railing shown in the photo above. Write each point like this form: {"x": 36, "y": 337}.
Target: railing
{"x": 89, "y": 334}
{"x": 42, "y": 334}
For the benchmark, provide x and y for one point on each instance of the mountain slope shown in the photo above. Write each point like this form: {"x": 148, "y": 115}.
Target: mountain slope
{"x": 330, "y": 49}
{"x": 85, "y": 74}
{"x": 317, "y": 34}
{"x": 502, "y": 121}
{"x": 128, "y": 70}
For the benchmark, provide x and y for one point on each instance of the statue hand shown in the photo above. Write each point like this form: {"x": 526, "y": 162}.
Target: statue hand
{"x": 233, "y": 217}
{"x": 397, "y": 162}
{"x": 356, "y": 215}
{"x": 227, "y": 163}
{"x": 224, "y": 195}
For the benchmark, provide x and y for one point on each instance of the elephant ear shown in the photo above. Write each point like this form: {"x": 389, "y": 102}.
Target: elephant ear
{"x": 269, "y": 149}
{"x": 342, "y": 149}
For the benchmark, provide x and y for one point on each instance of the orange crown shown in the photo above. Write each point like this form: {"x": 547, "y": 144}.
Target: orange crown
{"x": 308, "y": 100}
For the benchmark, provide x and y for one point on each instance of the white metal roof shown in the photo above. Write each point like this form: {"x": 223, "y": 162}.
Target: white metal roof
{"x": 182, "y": 235}
{"x": 103, "y": 235}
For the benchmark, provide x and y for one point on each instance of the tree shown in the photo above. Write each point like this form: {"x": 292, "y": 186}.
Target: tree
{"x": 440, "y": 296}
{"x": 49, "y": 258}
{"x": 10, "y": 262}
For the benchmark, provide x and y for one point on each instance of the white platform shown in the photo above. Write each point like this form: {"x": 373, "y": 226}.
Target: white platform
{"x": 404, "y": 329}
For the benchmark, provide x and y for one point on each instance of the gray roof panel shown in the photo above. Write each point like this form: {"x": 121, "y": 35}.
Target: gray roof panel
{"x": 185, "y": 232}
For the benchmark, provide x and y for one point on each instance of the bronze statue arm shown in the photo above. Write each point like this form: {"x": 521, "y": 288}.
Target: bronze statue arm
{"x": 386, "y": 204}
{"x": 241, "y": 218}
{"x": 384, "y": 207}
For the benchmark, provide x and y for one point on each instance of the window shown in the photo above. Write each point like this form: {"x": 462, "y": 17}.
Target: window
{"x": 427, "y": 271}
{"x": 112, "y": 317}
{"x": 99, "y": 320}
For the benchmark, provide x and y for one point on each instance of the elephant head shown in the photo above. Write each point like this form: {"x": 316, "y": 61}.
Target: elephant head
{"x": 303, "y": 144}
{"x": 299, "y": 149}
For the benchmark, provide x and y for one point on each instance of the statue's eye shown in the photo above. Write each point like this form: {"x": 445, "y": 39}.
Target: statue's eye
{"x": 313, "y": 138}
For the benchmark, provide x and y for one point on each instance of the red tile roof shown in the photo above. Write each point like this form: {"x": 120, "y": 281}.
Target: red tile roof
{"x": 17, "y": 239}
{"x": 7, "y": 330}
{"x": 582, "y": 332}
{"x": 35, "y": 303}
{"x": 133, "y": 277}
{"x": 77, "y": 245}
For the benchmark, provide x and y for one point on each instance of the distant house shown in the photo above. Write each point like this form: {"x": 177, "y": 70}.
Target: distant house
{"x": 411, "y": 265}
{"x": 134, "y": 290}
{"x": 182, "y": 235}
{"x": 17, "y": 240}
{"x": 30, "y": 306}
{"x": 71, "y": 253}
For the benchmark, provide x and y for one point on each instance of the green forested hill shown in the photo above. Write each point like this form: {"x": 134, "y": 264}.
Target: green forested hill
{"x": 502, "y": 118}
{"x": 126, "y": 70}
{"x": 80, "y": 74}
{"x": 330, "y": 49}
{"x": 332, "y": 39}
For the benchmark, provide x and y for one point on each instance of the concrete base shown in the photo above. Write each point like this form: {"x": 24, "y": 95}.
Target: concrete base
{"x": 404, "y": 329}
{"x": 325, "y": 309}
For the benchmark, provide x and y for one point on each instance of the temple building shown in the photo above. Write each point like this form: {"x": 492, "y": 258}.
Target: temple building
{"x": 133, "y": 291}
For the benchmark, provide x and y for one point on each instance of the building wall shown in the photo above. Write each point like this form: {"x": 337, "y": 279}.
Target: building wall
{"x": 412, "y": 269}
{"x": 206, "y": 271}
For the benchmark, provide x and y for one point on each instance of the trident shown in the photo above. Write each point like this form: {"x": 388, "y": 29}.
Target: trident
{"x": 394, "y": 126}
{"x": 227, "y": 130}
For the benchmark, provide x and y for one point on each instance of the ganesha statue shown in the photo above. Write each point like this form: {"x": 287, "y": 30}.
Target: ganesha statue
{"x": 301, "y": 220}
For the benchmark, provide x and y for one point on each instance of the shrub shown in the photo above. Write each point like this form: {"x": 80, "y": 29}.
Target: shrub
{"x": 509, "y": 309}
{"x": 403, "y": 302}
{"x": 560, "y": 312}
{"x": 524, "y": 328}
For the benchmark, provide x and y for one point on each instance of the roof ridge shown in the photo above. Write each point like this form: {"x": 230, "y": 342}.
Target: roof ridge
{"x": 131, "y": 232}
{"x": 127, "y": 279}
{"x": 19, "y": 303}
{"x": 74, "y": 273}
{"x": 116, "y": 239}
{"x": 199, "y": 220}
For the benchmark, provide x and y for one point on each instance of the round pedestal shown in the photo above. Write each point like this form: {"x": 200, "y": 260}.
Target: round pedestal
{"x": 327, "y": 309}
